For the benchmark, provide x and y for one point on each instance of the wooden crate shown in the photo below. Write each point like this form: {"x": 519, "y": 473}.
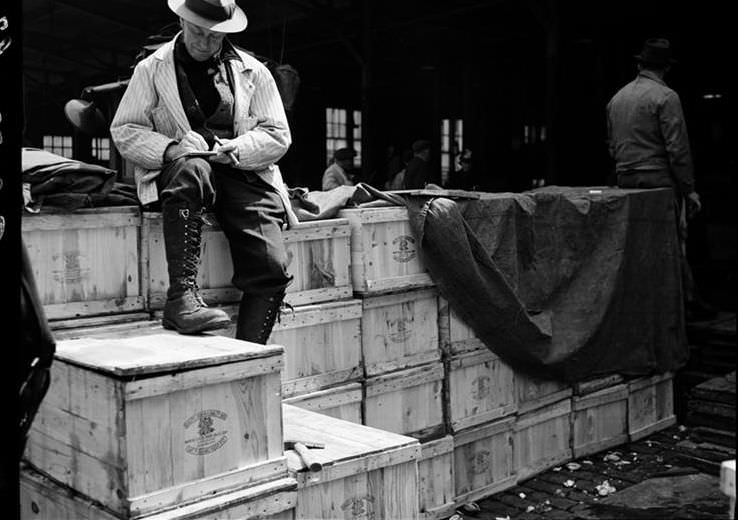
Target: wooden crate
{"x": 436, "y": 478}
{"x": 599, "y": 420}
{"x": 480, "y": 388}
{"x": 399, "y": 331}
{"x": 455, "y": 336}
{"x": 542, "y": 439}
{"x": 367, "y": 473}
{"x": 147, "y": 422}
{"x": 483, "y": 460}
{"x": 322, "y": 344}
{"x": 342, "y": 402}
{"x": 650, "y": 405}
{"x": 384, "y": 252}
{"x": 409, "y": 402}
{"x": 86, "y": 263}
{"x": 535, "y": 392}
{"x": 317, "y": 252}
{"x": 43, "y": 499}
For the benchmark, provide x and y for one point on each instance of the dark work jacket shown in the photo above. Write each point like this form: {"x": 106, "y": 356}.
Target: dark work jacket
{"x": 36, "y": 351}
{"x": 647, "y": 134}
{"x": 417, "y": 174}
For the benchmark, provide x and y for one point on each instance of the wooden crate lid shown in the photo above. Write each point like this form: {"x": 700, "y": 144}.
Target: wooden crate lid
{"x": 375, "y": 215}
{"x": 328, "y": 398}
{"x": 350, "y": 448}
{"x": 317, "y": 229}
{"x": 643, "y": 382}
{"x": 157, "y": 353}
{"x": 118, "y": 216}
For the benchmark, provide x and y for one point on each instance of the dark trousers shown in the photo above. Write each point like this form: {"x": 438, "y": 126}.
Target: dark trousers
{"x": 249, "y": 211}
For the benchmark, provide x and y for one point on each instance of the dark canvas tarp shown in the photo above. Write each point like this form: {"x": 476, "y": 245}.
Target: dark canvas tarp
{"x": 568, "y": 283}
{"x": 560, "y": 281}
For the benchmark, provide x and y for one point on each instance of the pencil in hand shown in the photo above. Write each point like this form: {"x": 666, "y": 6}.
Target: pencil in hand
{"x": 231, "y": 155}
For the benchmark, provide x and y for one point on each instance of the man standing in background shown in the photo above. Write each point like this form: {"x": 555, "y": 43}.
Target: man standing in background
{"x": 338, "y": 173}
{"x": 647, "y": 138}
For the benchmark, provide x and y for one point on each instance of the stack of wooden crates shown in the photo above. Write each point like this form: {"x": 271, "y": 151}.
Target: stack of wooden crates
{"x": 368, "y": 340}
{"x": 159, "y": 426}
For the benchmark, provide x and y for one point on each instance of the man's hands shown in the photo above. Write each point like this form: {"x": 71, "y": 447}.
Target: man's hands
{"x": 227, "y": 151}
{"x": 693, "y": 204}
{"x": 191, "y": 142}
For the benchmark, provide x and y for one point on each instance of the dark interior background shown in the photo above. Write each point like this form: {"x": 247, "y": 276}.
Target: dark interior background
{"x": 500, "y": 65}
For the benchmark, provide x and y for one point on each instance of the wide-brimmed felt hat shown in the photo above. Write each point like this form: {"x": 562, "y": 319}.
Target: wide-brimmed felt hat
{"x": 215, "y": 15}
{"x": 656, "y": 51}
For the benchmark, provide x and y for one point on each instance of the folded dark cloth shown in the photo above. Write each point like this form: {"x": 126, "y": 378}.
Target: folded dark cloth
{"x": 68, "y": 184}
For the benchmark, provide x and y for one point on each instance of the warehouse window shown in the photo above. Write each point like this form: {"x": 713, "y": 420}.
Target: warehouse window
{"x": 452, "y": 142}
{"x": 59, "y": 144}
{"x": 533, "y": 134}
{"x": 343, "y": 130}
{"x": 101, "y": 148}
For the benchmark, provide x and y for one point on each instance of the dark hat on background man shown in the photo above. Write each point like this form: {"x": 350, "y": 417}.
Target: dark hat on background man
{"x": 344, "y": 154}
{"x": 656, "y": 51}
{"x": 215, "y": 15}
{"x": 420, "y": 145}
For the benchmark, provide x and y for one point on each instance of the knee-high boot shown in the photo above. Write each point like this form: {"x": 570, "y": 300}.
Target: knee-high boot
{"x": 256, "y": 316}
{"x": 185, "y": 311}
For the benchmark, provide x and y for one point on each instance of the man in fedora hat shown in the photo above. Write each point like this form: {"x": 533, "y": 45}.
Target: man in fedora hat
{"x": 647, "y": 137}
{"x": 337, "y": 174}
{"x": 199, "y": 94}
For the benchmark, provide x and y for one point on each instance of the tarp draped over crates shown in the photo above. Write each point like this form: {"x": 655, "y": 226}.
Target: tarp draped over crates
{"x": 560, "y": 281}
{"x": 564, "y": 282}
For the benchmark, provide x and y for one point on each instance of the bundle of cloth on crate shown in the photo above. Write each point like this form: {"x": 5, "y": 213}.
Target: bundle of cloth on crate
{"x": 53, "y": 180}
{"x": 563, "y": 282}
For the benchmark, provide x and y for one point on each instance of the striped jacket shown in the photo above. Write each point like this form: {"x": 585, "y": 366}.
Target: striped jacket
{"x": 150, "y": 116}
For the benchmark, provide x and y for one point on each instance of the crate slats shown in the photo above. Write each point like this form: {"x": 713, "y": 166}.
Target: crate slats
{"x": 407, "y": 401}
{"x": 650, "y": 405}
{"x": 480, "y": 388}
{"x": 44, "y": 499}
{"x": 534, "y": 392}
{"x": 455, "y": 336}
{"x": 143, "y": 423}
{"x": 75, "y": 273}
{"x": 483, "y": 460}
{"x": 399, "y": 331}
{"x": 542, "y": 439}
{"x": 599, "y": 420}
{"x": 384, "y": 253}
{"x": 322, "y": 345}
{"x": 342, "y": 402}
{"x": 317, "y": 254}
{"x": 436, "y": 478}
{"x": 367, "y": 473}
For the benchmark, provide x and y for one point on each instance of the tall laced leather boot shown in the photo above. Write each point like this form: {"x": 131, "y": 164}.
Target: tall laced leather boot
{"x": 185, "y": 311}
{"x": 256, "y": 316}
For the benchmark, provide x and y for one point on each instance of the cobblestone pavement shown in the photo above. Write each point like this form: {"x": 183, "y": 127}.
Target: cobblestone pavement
{"x": 664, "y": 476}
